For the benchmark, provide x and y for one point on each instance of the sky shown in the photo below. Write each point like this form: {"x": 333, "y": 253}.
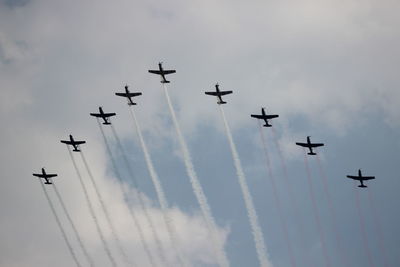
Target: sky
{"x": 327, "y": 67}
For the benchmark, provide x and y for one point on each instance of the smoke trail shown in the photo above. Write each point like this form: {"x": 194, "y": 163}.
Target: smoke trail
{"x": 139, "y": 197}
{"x": 377, "y": 227}
{"x": 160, "y": 192}
{"x": 64, "y": 235}
{"x": 362, "y": 227}
{"x": 315, "y": 211}
{"x": 78, "y": 237}
{"x": 288, "y": 185}
{"x": 276, "y": 196}
{"x": 332, "y": 211}
{"x": 251, "y": 211}
{"x": 131, "y": 212}
{"x": 91, "y": 210}
{"x": 198, "y": 190}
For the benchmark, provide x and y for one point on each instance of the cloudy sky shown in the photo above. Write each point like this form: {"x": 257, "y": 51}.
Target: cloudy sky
{"x": 329, "y": 68}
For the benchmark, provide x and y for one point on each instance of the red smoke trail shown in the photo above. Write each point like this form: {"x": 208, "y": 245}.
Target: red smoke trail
{"x": 315, "y": 211}
{"x": 378, "y": 228}
{"x": 277, "y": 200}
{"x": 332, "y": 212}
{"x": 362, "y": 227}
{"x": 288, "y": 185}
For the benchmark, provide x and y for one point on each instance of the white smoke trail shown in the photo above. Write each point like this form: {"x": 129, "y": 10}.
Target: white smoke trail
{"x": 64, "y": 235}
{"x": 131, "y": 212}
{"x": 277, "y": 199}
{"x": 160, "y": 192}
{"x": 92, "y": 213}
{"x": 140, "y": 199}
{"x": 78, "y": 237}
{"x": 198, "y": 190}
{"x": 251, "y": 211}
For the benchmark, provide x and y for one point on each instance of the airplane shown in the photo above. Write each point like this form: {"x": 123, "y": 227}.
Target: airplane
{"x": 73, "y": 143}
{"x": 128, "y": 95}
{"x": 219, "y": 94}
{"x": 103, "y": 115}
{"x": 264, "y": 117}
{"x": 310, "y": 145}
{"x": 45, "y": 176}
{"x": 361, "y": 178}
{"x": 162, "y": 72}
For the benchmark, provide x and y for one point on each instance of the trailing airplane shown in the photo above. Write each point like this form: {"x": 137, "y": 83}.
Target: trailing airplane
{"x": 45, "y": 176}
{"x": 264, "y": 117}
{"x": 73, "y": 143}
{"x": 104, "y": 116}
{"x": 219, "y": 94}
{"x": 361, "y": 178}
{"x": 162, "y": 72}
{"x": 310, "y": 145}
{"x": 129, "y": 95}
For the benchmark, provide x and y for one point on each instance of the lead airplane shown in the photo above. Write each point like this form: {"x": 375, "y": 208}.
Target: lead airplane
{"x": 162, "y": 72}
{"x": 129, "y": 95}
{"x": 219, "y": 94}
{"x": 310, "y": 146}
{"x": 45, "y": 176}
{"x": 361, "y": 178}
{"x": 104, "y": 116}
{"x": 73, "y": 143}
{"x": 264, "y": 117}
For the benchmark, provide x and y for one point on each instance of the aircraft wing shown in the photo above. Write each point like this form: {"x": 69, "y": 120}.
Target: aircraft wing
{"x": 37, "y": 175}
{"x": 134, "y": 94}
{"x": 121, "y": 94}
{"x": 79, "y": 142}
{"x": 108, "y": 114}
{"x": 257, "y": 116}
{"x": 367, "y": 177}
{"x": 97, "y": 115}
{"x": 271, "y": 116}
{"x": 316, "y": 145}
{"x": 168, "y": 71}
{"x": 225, "y": 92}
{"x": 66, "y": 142}
{"x": 155, "y": 72}
{"x": 303, "y": 144}
{"x": 211, "y": 93}
{"x": 50, "y": 175}
{"x": 353, "y": 177}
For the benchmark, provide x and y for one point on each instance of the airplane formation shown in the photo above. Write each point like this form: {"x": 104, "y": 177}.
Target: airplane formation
{"x": 218, "y": 93}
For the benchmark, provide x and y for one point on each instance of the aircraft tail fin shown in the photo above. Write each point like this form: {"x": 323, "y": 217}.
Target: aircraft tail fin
{"x": 165, "y": 81}
{"x": 312, "y": 153}
{"x": 107, "y": 123}
{"x": 267, "y": 125}
{"x": 76, "y": 150}
{"x": 362, "y": 186}
{"x": 221, "y": 102}
{"x": 48, "y": 183}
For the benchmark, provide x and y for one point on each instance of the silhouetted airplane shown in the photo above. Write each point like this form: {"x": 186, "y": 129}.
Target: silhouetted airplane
{"x": 361, "y": 178}
{"x": 264, "y": 117}
{"x": 310, "y": 145}
{"x": 162, "y": 72}
{"x": 128, "y": 95}
{"x": 73, "y": 143}
{"x": 219, "y": 94}
{"x": 45, "y": 176}
{"x": 103, "y": 115}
